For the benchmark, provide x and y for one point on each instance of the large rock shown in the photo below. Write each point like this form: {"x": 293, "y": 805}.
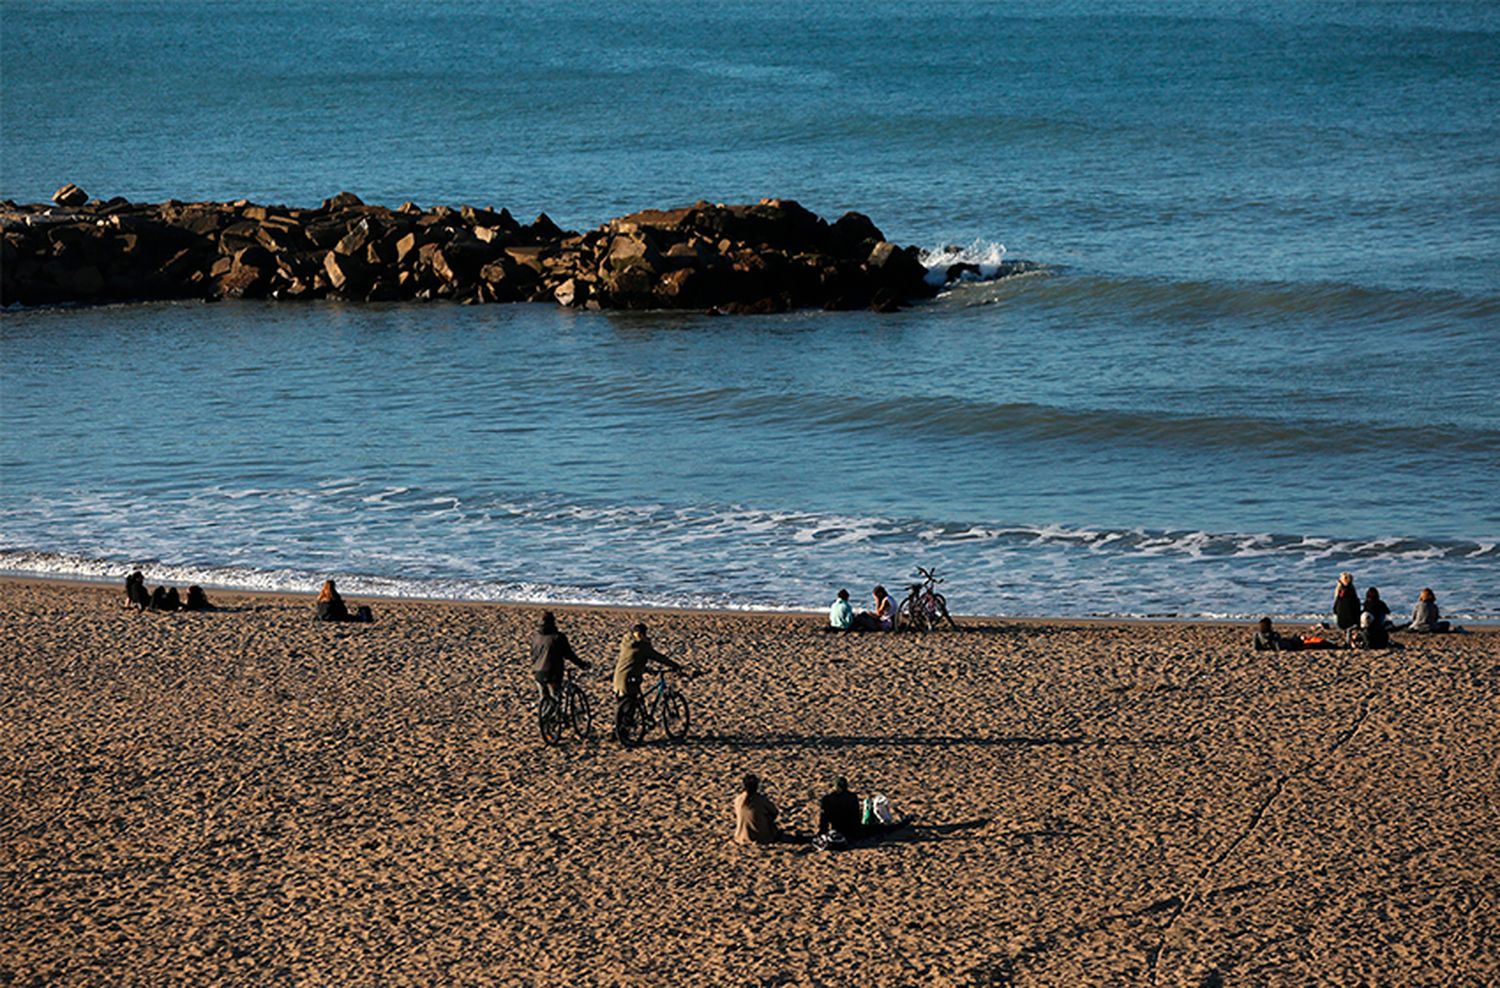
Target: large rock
{"x": 349, "y": 276}
{"x": 70, "y": 196}
{"x": 764, "y": 257}
{"x": 899, "y": 270}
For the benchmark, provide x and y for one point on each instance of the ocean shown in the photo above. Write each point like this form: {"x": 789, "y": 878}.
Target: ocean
{"x": 1259, "y": 347}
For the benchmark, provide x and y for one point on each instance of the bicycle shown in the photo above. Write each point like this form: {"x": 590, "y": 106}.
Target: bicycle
{"x": 924, "y": 608}
{"x": 569, "y": 708}
{"x": 639, "y": 713}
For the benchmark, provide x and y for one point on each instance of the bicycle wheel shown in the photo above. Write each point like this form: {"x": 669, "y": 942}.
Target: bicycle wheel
{"x": 921, "y": 618}
{"x": 906, "y": 614}
{"x": 940, "y": 609}
{"x": 674, "y": 715}
{"x": 580, "y": 717}
{"x": 630, "y": 722}
{"x": 549, "y": 720}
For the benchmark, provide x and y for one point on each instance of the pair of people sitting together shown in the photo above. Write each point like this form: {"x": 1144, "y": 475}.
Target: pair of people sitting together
{"x": 841, "y": 616}
{"x": 842, "y": 817}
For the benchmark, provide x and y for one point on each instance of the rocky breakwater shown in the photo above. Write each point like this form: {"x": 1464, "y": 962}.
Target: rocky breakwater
{"x": 768, "y": 257}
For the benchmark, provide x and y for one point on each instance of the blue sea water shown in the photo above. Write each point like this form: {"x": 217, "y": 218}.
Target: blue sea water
{"x": 1260, "y": 349}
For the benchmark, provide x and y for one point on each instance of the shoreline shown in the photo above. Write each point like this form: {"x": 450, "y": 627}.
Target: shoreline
{"x": 983, "y": 620}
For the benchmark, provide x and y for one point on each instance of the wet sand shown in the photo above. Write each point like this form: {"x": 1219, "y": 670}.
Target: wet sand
{"x": 249, "y": 797}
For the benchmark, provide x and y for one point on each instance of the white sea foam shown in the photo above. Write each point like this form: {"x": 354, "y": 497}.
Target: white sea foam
{"x": 439, "y": 544}
{"x": 986, "y": 256}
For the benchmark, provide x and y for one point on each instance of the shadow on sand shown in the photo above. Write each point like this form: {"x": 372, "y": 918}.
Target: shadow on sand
{"x": 759, "y": 741}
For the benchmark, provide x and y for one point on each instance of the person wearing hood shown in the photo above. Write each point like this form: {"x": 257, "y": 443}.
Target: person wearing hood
{"x": 550, "y": 649}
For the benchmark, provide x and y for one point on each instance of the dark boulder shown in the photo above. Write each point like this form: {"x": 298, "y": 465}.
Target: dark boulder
{"x": 342, "y": 201}
{"x": 70, "y": 196}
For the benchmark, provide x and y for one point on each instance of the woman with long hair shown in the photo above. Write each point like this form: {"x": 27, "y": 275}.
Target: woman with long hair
{"x": 1346, "y": 609}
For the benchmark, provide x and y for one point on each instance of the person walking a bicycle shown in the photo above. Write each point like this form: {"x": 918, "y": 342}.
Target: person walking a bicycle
{"x": 636, "y": 654}
{"x": 550, "y": 648}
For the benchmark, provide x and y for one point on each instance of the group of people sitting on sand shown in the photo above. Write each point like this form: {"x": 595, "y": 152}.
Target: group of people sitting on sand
{"x": 841, "y": 616}
{"x": 1360, "y": 625}
{"x": 163, "y": 598}
{"x": 331, "y": 606}
{"x": 843, "y": 817}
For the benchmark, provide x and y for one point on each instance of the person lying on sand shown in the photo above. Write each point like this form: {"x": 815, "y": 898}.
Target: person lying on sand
{"x": 754, "y": 815}
{"x": 331, "y": 607}
{"x": 550, "y": 648}
{"x": 1268, "y": 639}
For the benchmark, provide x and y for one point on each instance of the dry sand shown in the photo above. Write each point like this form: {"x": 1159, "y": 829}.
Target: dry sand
{"x": 248, "y": 797}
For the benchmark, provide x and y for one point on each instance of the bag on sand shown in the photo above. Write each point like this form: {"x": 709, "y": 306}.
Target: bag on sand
{"x": 877, "y": 810}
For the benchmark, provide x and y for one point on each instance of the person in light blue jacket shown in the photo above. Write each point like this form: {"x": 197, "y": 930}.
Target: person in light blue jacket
{"x": 841, "y": 614}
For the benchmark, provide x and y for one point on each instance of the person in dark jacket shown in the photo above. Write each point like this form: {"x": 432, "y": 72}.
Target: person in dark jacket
{"x": 331, "y": 607}
{"x": 136, "y": 592}
{"x": 550, "y": 648}
{"x": 840, "y": 810}
{"x": 1346, "y": 609}
{"x": 1375, "y": 623}
{"x": 166, "y": 599}
{"x": 197, "y": 600}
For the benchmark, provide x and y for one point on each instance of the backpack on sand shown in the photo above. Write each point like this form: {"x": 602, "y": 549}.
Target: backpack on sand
{"x": 877, "y": 811}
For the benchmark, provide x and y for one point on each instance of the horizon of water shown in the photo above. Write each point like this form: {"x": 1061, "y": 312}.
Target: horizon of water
{"x": 1259, "y": 348}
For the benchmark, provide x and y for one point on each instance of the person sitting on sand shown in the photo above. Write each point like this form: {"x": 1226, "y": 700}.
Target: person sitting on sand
{"x": 841, "y": 614}
{"x": 840, "y": 810}
{"x": 550, "y": 648}
{"x": 197, "y": 600}
{"x": 636, "y": 655}
{"x": 883, "y": 618}
{"x": 331, "y": 607}
{"x": 885, "y": 609}
{"x": 1375, "y": 623}
{"x": 754, "y": 815}
{"x": 1424, "y": 617}
{"x": 1346, "y": 609}
{"x": 136, "y": 593}
{"x": 166, "y": 598}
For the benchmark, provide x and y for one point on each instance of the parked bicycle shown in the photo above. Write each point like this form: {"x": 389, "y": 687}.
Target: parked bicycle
{"x": 663, "y": 704}
{"x": 924, "y": 609}
{"x": 569, "y": 708}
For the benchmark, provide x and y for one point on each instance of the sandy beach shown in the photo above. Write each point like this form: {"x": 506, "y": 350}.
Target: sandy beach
{"x": 249, "y": 797}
